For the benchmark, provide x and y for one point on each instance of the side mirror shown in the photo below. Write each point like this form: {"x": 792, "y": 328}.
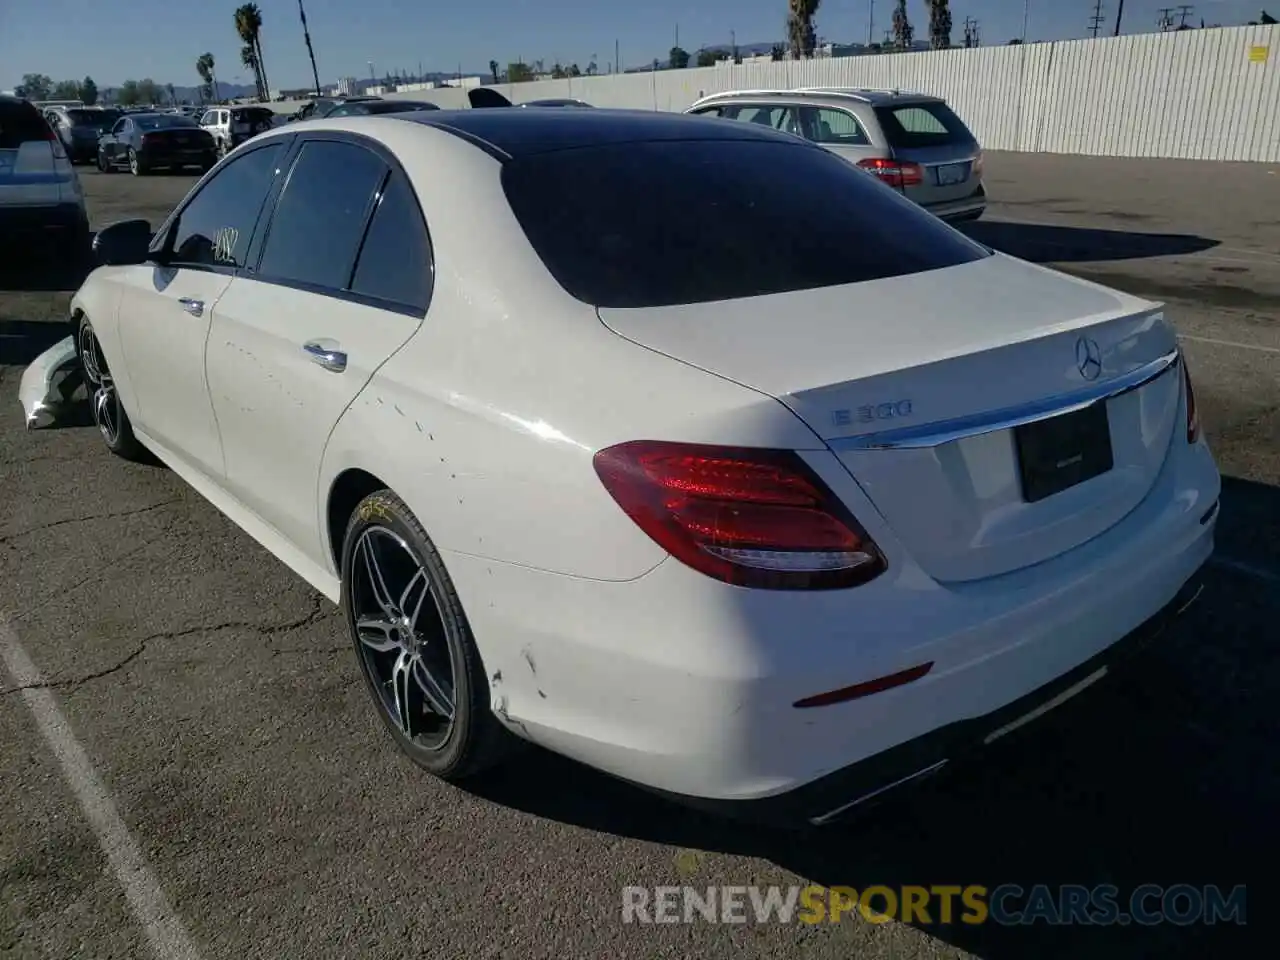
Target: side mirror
{"x": 123, "y": 244}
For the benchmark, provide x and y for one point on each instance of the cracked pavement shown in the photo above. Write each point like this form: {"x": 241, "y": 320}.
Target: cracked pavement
{"x": 220, "y": 703}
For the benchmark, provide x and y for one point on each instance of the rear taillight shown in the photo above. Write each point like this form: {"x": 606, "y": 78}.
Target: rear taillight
{"x": 1193, "y": 415}
{"x": 895, "y": 173}
{"x": 754, "y": 518}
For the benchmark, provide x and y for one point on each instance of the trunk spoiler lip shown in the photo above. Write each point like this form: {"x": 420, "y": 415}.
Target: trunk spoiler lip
{"x": 926, "y": 435}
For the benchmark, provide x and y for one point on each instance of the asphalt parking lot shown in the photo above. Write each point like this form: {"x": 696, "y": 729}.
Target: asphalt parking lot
{"x": 263, "y": 813}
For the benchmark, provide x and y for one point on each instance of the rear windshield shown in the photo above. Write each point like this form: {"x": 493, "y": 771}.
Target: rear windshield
{"x": 664, "y": 223}
{"x": 252, "y": 114}
{"x": 163, "y": 121}
{"x": 928, "y": 124}
{"x": 99, "y": 119}
{"x": 20, "y": 123}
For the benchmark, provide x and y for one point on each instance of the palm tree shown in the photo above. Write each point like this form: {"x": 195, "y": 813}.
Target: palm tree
{"x": 903, "y": 32}
{"x": 802, "y": 38}
{"x": 249, "y": 57}
{"x": 939, "y": 24}
{"x": 249, "y": 27}
{"x": 204, "y": 67}
{"x": 306, "y": 35}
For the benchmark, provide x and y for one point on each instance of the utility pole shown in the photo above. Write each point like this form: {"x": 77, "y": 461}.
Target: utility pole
{"x": 617, "y": 57}
{"x": 970, "y": 32}
{"x": 1026, "y": 15}
{"x": 1095, "y": 21}
{"x": 1184, "y": 11}
{"x": 1165, "y": 20}
{"x": 871, "y": 22}
{"x": 1119, "y": 16}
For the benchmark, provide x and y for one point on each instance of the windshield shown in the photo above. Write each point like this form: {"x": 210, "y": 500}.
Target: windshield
{"x": 163, "y": 121}
{"x": 98, "y": 119}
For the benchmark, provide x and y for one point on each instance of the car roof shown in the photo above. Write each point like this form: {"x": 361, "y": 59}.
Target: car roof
{"x": 867, "y": 95}
{"x": 515, "y": 133}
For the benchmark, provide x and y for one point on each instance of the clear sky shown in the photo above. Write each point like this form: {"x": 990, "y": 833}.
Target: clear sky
{"x": 115, "y": 41}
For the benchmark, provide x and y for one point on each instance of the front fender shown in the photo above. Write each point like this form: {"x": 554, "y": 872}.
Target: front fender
{"x": 99, "y": 299}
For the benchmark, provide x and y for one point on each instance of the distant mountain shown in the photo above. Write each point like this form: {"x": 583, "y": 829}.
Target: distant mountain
{"x": 232, "y": 91}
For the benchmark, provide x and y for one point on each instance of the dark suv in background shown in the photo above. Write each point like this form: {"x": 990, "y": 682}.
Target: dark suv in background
{"x": 79, "y": 129}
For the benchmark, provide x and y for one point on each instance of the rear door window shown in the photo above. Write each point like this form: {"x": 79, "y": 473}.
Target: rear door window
{"x": 658, "y": 224}
{"x": 319, "y": 221}
{"x": 926, "y": 124}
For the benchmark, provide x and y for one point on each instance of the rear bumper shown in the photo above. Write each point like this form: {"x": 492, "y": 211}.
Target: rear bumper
{"x": 81, "y": 149}
{"x": 56, "y": 222}
{"x": 843, "y": 793}
{"x": 967, "y": 208}
{"x": 174, "y": 157}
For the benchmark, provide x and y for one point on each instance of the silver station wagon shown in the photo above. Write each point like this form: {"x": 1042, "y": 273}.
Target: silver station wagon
{"x": 911, "y": 141}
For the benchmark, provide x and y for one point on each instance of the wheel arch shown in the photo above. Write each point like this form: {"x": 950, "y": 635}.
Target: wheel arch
{"x": 345, "y": 493}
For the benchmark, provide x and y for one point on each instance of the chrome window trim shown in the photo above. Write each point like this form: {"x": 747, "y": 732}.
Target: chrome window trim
{"x": 923, "y": 436}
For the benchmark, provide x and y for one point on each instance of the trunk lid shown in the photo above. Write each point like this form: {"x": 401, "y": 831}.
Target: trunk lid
{"x": 913, "y": 381}
{"x": 176, "y": 137}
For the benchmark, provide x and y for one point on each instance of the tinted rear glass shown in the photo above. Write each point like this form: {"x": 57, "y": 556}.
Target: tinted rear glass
{"x": 164, "y": 122}
{"x": 656, "y": 224}
{"x": 99, "y": 119}
{"x": 20, "y": 123}
{"x": 922, "y": 125}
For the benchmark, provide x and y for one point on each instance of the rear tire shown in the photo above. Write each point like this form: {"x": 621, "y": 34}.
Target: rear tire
{"x": 415, "y": 631}
{"x": 136, "y": 166}
{"x": 104, "y": 399}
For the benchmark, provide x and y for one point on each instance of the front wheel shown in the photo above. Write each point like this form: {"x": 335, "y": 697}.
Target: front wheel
{"x": 104, "y": 400}
{"x": 103, "y": 164}
{"x": 136, "y": 166}
{"x": 414, "y": 645}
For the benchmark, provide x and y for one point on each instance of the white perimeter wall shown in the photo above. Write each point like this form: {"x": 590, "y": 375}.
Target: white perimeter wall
{"x": 1192, "y": 94}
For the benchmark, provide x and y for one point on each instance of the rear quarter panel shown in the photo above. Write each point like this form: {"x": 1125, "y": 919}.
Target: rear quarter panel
{"x": 487, "y": 420}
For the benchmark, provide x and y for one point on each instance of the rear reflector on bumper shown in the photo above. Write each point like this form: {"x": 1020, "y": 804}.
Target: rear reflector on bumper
{"x": 859, "y": 690}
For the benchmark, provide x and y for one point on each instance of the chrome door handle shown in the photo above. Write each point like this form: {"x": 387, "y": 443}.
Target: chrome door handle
{"x": 193, "y": 307}
{"x": 323, "y": 354}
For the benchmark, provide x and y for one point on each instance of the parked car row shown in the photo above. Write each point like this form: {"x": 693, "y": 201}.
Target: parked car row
{"x": 827, "y": 496}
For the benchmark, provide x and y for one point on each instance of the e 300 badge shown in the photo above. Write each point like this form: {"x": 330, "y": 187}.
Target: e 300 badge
{"x": 871, "y": 413}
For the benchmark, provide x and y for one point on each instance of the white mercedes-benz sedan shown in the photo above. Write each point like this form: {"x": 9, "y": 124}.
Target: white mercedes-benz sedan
{"x": 677, "y": 446}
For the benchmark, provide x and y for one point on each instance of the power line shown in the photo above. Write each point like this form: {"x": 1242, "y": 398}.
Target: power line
{"x": 1096, "y": 20}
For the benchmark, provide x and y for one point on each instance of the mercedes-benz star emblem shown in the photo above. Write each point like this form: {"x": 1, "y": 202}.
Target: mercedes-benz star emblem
{"x": 1088, "y": 358}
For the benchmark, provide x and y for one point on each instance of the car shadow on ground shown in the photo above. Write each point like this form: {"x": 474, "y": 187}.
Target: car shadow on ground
{"x": 41, "y": 271}
{"x": 21, "y": 341}
{"x": 1163, "y": 774}
{"x": 1051, "y": 243}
